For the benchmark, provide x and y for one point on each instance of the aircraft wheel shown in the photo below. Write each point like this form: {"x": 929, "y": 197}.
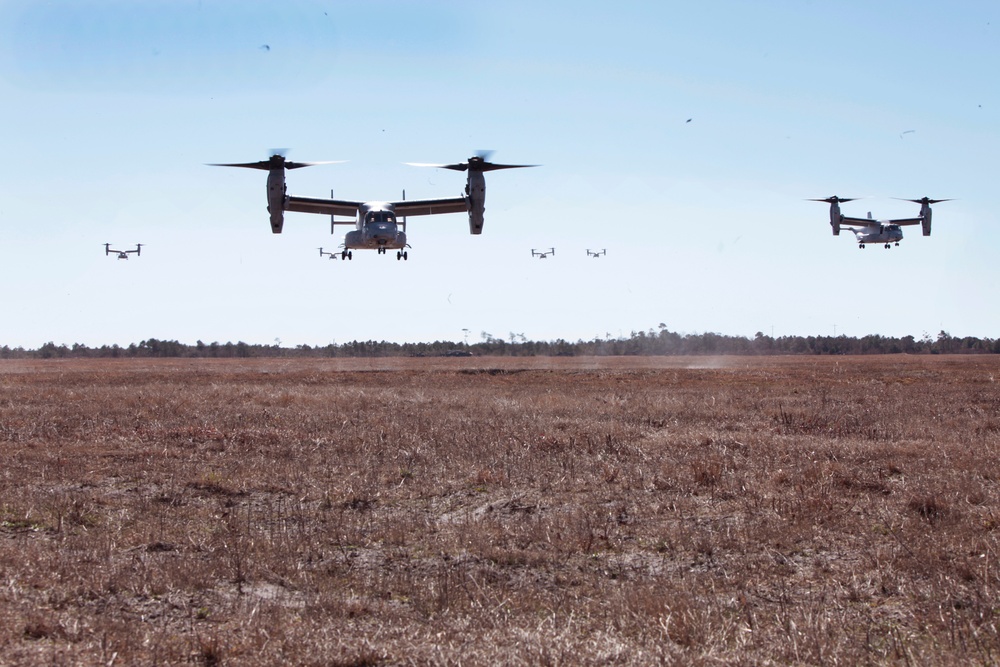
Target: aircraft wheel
{"x": 343, "y": 255}
{"x": 861, "y": 245}
{"x": 350, "y": 255}
{"x": 405, "y": 256}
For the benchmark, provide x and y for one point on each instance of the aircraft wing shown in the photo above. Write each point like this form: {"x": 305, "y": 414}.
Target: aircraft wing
{"x": 905, "y": 221}
{"x": 861, "y": 222}
{"x": 430, "y": 206}
{"x": 322, "y": 206}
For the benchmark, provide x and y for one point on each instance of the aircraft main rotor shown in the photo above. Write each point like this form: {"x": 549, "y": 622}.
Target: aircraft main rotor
{"x": 477, "y": 163}
{"x": 924, "y": 200}
{"x": 835, "y": 199}
{"x": 276, "y": 161}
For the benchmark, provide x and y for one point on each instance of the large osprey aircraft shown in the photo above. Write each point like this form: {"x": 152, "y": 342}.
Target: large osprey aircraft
{"x": 377, "y": 223}
{"x": 867, "y": 230}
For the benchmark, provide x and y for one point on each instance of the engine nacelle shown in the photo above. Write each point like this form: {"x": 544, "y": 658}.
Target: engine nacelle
{"x": 276, "y": 198}
{"x": 925, "y": 223}
{"x": 475, "y": 192}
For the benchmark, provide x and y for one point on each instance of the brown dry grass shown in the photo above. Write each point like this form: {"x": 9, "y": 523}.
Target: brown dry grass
{"x": 518, "y": 511}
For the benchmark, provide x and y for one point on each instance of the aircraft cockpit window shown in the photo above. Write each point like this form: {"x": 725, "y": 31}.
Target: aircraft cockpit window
{"x": 379, "y": 216}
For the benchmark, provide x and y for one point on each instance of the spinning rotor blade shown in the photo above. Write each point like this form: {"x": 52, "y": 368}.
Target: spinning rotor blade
{"x": 923, "y": 200}
{"x": 478, "y": 162}
{"x": 276, "y": 161}
{"x": 263, "y": 164}
{"x": 835, "y": 199}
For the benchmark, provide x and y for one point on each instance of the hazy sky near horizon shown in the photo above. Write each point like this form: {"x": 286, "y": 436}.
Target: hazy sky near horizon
{"x": 113, "y": 109}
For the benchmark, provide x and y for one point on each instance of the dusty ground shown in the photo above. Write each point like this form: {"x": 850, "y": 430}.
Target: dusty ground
{"x": 525, "y": 511}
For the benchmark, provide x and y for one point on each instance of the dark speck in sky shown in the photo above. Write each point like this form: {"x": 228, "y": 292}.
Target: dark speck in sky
{"x": 265, "y": 47}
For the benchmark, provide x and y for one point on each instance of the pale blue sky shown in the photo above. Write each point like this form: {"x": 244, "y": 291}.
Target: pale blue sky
{"x": 112, "y": 110}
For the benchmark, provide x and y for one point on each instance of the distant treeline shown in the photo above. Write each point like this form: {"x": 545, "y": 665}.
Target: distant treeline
{"x": 661, "y": 342}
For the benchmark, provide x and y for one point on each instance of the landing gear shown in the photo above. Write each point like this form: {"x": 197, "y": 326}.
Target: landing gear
{"x": 381, "y": 249}
{"x": 861, "y": 245}
{"x": 346, "y": 255}
{"x": 401, "y": 255}
{"x": 887, "y": 246}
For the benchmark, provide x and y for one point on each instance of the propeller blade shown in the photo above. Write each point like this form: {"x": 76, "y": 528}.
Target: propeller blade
{"x": 461, "y": 166}
{"x": 477, "y": 162}
{"x": 835, "y": 199}
{"x": 924, "y": 200}
{"x": 276, "y": 161}
{"x": 249, "y": 165}
{"x": 489, "y": 166}
{"x": 299, "y": 165}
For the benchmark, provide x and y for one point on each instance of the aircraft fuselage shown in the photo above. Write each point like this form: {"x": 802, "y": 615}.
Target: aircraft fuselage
{"x": 376, "y": 227}
{"x": 878, "y": 234}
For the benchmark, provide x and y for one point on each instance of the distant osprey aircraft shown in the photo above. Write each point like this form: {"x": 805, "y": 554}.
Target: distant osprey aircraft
{"x": 867, "y": 230}
{"x": 122, "y": 254}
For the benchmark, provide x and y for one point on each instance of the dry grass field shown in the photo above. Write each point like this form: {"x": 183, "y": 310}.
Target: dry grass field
{"x": 819, "y": 510}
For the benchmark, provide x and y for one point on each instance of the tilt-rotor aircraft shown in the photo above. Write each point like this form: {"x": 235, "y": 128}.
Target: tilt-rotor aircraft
{"x": 867, "y": 230}
{"x": 123, "y": 254}
{"x": 377, "y": 223}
